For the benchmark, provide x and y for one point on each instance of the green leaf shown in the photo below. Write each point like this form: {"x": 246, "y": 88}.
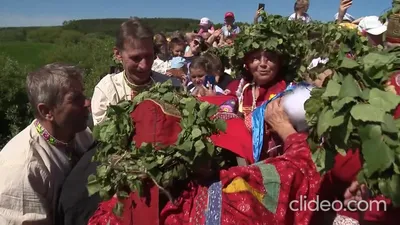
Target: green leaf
{"x": 162, "y": 90}
{"x": 204, "y": 105}
{"x": 366, "y": 112}
{"x": 332, "y": 89}
{"x": 186, "y": 146}
{"x": 377, "y": 155}
{"x": 365, "y": 94}
{"x": 93, "y": 185}
{"x": 327, "y": 120}
{"x": 199, "y": 145}
{"x": 196, "y": 132}
{"x": 384, "y": 99}
{"x": 168, "y": 97}
{"x": 220, "y": 125}
{"x": 348, "y": 63}
{"x": 212, "y": 111}
{"x": 313, "y": 105}
{"x": 389, "y": 125}
{"x": 377, "y": 60}
{"x": 338, "y": 104}
{"x": 255, "y": 45}
{"x": 341, "y": 151}
{"x": 394, "y": 186}
{"x": 118, "y": 209}
{"x": 190, "y": 104}
{"x": 370, "y": 131}
{"x": 349, "y": 88}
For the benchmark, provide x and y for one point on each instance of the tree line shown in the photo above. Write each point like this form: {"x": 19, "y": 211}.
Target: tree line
{"x": 73, "y": 30}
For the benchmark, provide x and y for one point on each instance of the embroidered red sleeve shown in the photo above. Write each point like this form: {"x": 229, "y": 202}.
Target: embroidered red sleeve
{"x": 295, "y": 142}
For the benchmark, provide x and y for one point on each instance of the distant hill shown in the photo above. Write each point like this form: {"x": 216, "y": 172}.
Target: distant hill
{"x": 102, "y": 26}
{"x": 110, "y": 26}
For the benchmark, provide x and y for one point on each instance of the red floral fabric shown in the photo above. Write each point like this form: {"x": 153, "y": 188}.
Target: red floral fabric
{"x": 298, "y": 179}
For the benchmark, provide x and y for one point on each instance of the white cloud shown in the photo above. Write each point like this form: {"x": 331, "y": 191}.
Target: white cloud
{"x": 15, "y": 20}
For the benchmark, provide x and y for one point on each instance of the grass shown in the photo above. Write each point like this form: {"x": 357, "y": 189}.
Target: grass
{"x": 26, "y": 53}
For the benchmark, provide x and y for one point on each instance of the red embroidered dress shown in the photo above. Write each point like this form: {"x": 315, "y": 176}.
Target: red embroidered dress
{"x": 256, "y": 194}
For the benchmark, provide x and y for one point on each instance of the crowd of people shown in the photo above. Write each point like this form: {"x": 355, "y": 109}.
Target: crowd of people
{"x": 44, "y": 169}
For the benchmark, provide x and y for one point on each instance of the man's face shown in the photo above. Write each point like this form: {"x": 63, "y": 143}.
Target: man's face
{"x": 137, "y": 58}
{"x": 71, "y": 115}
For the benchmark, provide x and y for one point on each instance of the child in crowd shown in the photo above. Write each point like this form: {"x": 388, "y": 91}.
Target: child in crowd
{"x": 196, "y": 46}
{"x": 300, "y": 11}
{"x": 178, "y": 69}
{"x": 177, "y": 47}
{"x": 202, "y": 82}
{"x": 206, "y": 26}
{"x": 217, "y": 69}
{"x": 162, "y": 61}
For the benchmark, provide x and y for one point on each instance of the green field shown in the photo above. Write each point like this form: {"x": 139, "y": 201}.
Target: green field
{"x": 26, "y": 53}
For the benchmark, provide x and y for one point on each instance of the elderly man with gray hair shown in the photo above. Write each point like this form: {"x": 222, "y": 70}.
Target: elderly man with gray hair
{"x": 34, "y": 164}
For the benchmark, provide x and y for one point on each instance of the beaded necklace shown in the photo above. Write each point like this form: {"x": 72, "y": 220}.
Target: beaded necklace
{"x": 47, "y": 136}
{"x": 240, "y": 90}
{"x": 54, "y": 141}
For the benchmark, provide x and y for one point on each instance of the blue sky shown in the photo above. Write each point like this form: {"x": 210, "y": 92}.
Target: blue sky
{"x": 54, "y": 12}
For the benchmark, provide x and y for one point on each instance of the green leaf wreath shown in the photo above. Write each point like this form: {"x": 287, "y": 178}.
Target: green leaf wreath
{"x": 123, "y": 168}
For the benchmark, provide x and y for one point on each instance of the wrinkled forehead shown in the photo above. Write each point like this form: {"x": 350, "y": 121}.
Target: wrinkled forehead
{"x": 136, "y": 47}
{"x": 144, "y": 44}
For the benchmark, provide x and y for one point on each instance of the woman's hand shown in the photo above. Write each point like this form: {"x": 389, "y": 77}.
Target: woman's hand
{"x": 217, "y": 33}
{"x": 257, "y": 15}
{"x": 344, "y": 5}
{"x": 278, "y": 120}
{"x": 355, "y": 194}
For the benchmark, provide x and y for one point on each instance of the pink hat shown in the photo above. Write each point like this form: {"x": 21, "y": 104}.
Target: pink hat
{"x": 229, "y": 14}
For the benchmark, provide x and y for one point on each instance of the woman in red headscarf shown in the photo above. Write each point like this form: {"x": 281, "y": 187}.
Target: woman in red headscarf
{"x": 261, "y": 80}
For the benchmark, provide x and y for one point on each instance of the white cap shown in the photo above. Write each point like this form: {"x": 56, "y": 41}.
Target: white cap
{"x": 204, "y": 21}
{"x": 346, "y": 16}
{"x": 372, "y": 25}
